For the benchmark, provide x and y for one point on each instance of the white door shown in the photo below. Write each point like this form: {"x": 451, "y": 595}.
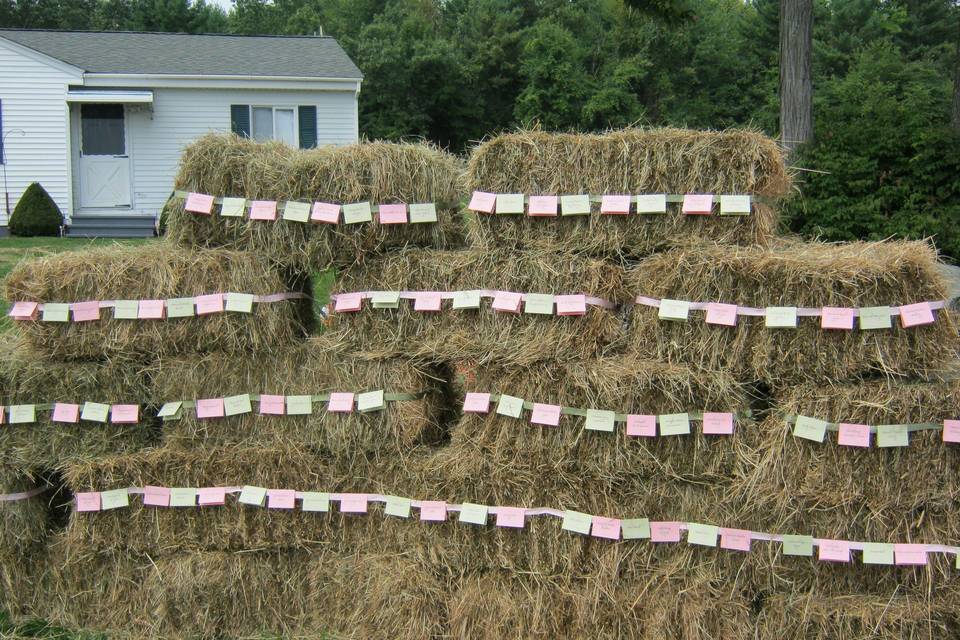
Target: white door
{"x": 104, "y": 163}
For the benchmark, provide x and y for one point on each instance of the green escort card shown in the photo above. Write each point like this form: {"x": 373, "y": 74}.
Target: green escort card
{"x": 299, "y": 405}
{"x": 598, "y": 420}
{"x": 23, "y": 413}
{"x": 780, "y": 317}
{"x": 635, "y": 528}
{"x": 876, "y": 318}
{"x": 510, "y": 406}
{"x": 539, "y": 303}
{"x": 575, "y": 205}
{"x": 236, "y": 405}
{"x": 424, "y": 212}
{"x": 676, "y": 310}
{"x": 385, "y": 299}
{"x": 877, "y": 553}
{"x": 253, "y": 496}
{"x": 471, "y": 513}
{"x": 95, "y": 412}
{"x": 316, "y": 501}
{"x": 233, "y": 207}
{"x": 297, "y": 211}
{"x": 239, "y": 302}
{"x": 577, "y": 522}
{"x": 893, "y": 435}
{"x": 702, "y": 534}
{"x": 466, "y": 299}
{"x": 125, "y": 309}
{"x": 56, "y": 312}
{"x": 397, "y": 507}
{"x": 179, "y": 308}
{"x": 674, "y": 424}
{"x": 510, "y": 203}
{"x": 114, "y": 499}
{"x": 357, "y": 212}
{"x": 371, "y": 401}
{"x": 810, "y": 428}
{"x": 797, "y": 545}
{"x": 183, "y": 497}
{"x": 171, "y": 411}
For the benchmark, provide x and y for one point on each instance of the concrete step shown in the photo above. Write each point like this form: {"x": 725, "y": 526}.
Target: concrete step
{"x": 111, "y": 226}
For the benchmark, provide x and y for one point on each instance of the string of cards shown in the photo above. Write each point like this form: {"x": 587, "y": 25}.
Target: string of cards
{"x": 860, "y": 435}
{"x": 610, "y": 204}
{"x": 718, "y": 313}
{"x": 574, "y": 522}
{"x": 89, "y": 311}
{"x": 207, "y": 408}
{"x": 504, "y": 301}
{"x": 316, "y": 212}
{"x": 640, "y": 425}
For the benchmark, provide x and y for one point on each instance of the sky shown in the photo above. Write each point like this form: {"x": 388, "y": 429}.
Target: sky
{"x": 226, "y": 4}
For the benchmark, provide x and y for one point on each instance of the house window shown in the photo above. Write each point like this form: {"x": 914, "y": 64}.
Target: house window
{"x": 275, "y": 123}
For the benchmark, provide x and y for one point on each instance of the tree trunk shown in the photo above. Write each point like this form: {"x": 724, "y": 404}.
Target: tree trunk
{"x": 955, "y": 113}
{"x": 796, "y": 78}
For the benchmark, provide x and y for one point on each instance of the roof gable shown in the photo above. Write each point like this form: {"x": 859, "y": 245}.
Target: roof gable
{"x": 125, "y": 52}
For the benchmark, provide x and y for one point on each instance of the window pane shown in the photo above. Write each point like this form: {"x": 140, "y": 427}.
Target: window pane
{"x": 101, "y": 130}
{"x": 262, "y": 123}
{"x": 285, "y": 127}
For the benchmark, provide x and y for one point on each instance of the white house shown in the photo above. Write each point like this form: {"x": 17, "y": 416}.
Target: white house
{"x": 100, "y": 118}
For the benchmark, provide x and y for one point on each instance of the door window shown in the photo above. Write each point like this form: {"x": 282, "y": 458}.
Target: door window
{"x": 102, "y": 131}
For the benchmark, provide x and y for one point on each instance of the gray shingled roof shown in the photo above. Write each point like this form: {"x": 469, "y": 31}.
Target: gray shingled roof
{"x": 180, "y": 53}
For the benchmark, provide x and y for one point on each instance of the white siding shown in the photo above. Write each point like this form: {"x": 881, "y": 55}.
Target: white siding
{"x": 33, "y": 100}
{"x": 179, "y": 116}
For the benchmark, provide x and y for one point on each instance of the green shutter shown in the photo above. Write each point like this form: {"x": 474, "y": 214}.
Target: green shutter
{"x": 308, "y": 126}
{"x": 240, "y": 119}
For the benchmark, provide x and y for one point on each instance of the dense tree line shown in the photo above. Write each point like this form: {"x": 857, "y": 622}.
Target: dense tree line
{"x": 453, "y": 71}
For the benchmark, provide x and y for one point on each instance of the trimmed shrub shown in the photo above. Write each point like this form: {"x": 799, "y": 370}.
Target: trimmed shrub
{"x": 36, "y": 214}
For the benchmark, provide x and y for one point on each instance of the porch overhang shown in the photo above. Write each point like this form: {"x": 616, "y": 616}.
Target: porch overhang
{"x": 110, "y": 96}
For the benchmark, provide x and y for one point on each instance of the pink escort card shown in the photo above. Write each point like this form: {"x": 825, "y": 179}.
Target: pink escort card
{"x": 951, "y": 430}
{"x": 150, "y": 310}
{"x": 546, "y": 414}
{"x": 210, "y": 303}
{"x": 910, "y": 554}
{"x": 642, "y": 425}
{"x": 325, "y": 212}
{"x": 543, "y": 206}
{"x": 718, "y": 424}
{"x": 722, "y": 314}
{"x": 125, "y": 414}
{"x": 697, "y": 204}
{"x": 513, "y": 517}
{"x": 353, "y": 503}
{"x": 912, "y": 315}
{"x": 348, "y": 302}
{"x": 571, "y": 305}
{"x": 272, "y": 405}
{"x": 86, "y": 311}
{"x": 834, "y": 550}
{"x": 427, "y": 301}
{"x": 665, "y": 532}
{"x": 263, "y": 210}
{"x": 608, "y": 528}
{"x": 281, "y": 499}
{"x": 24, "y": 311}
{"x": 393, "y": 214}
{"x": 212, "y": 496}
{"x": 853, "y": 435}
{"x": 199, "y": 203}
{"x": 156, "y": 496}
{"x": 340, "y": 403}
{"x": 88, "y": 502}
{"x": 837, "y": 318}
{"x": 735, "y": 539}
{"x": 433, "y": 510}
{"x": 476, "y": 403}
{"x": 63, "y": 412}
{"x": 210, "y": 408}
{"x": 482, "y": 202}
{"x": 507, "y": 301}
{"x": 615, "y": 205}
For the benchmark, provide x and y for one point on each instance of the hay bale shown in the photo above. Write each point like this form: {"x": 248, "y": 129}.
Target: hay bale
{"x": 620, "y": 383}
{"x": 506, "y": 605}
{"x": 224, "y": 595}
{"x": 24, "y": 527}
{"x": 319, "y": 366}
{"x": 375, "y": 172}
{"x": 158, "y": 271}
{"x": 482, "y": 334}
{"x": 46, "y": 445}
{"x": 813, "y": 617}
{"x": 629, "y": 161}
{"x": 859, "y": 274}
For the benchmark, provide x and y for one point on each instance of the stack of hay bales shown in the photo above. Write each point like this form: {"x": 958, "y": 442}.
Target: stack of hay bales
{"x": 153, "y": 571}
{"x": 539, "y": 367}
